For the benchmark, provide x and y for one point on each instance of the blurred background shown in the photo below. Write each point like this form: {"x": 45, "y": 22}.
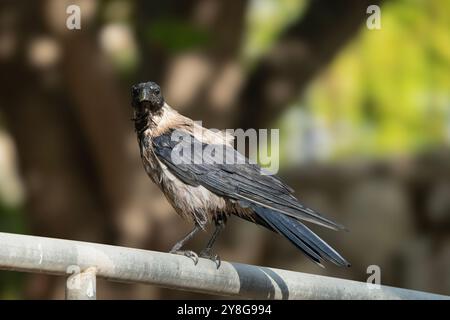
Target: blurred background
{"x": 364, "y": 118}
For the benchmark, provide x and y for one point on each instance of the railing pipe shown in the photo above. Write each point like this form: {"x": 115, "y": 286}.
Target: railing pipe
{"x": 64, "y": 257}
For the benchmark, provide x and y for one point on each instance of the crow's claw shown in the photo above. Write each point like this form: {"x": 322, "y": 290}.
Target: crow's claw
{"x": 188, "y": 253}
{"x": 208, "y": 254}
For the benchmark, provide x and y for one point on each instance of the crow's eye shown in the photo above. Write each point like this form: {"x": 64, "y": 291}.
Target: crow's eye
{"x": 134, "y": 90}
{"x": 156, "y": 91}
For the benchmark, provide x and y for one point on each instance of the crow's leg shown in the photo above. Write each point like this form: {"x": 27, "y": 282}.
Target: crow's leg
{"x": 188, "y": 253}
{"x": 207, "y": 252}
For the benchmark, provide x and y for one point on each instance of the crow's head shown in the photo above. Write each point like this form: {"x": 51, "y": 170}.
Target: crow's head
{"x": 147, "y": 96}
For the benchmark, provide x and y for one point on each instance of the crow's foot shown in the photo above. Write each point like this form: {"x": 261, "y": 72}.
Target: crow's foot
{"x": 188, "y": 253}
{"x": 208, "y": 254}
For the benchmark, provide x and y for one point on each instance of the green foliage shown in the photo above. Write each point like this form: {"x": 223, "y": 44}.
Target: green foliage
{"x": 265, "y": 21}
{"x": 388, "y": 91}
{"x": 11, "y": 220}
{"x": 11, "y": 284}
{"x": 174, "y": 35}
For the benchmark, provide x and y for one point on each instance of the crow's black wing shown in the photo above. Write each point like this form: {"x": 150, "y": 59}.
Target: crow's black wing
{"x": 270, "y": 199}
{"x": 240, "y": 181}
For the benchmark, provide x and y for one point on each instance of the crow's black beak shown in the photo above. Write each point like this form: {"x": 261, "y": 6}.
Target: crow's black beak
{"x": 144, "y": 95}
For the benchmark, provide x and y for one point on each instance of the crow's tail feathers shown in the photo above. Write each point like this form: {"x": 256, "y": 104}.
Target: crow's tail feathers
{"x": 301, "y": 236}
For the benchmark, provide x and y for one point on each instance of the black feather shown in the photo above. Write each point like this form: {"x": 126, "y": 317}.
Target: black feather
{"x": 301, "y": 236}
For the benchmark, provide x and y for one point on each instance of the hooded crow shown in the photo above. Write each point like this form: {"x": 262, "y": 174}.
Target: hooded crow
{"x": 204, "y": 188}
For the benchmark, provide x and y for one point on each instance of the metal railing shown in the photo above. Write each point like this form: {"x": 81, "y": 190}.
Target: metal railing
{"x": 83, "y": 262}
